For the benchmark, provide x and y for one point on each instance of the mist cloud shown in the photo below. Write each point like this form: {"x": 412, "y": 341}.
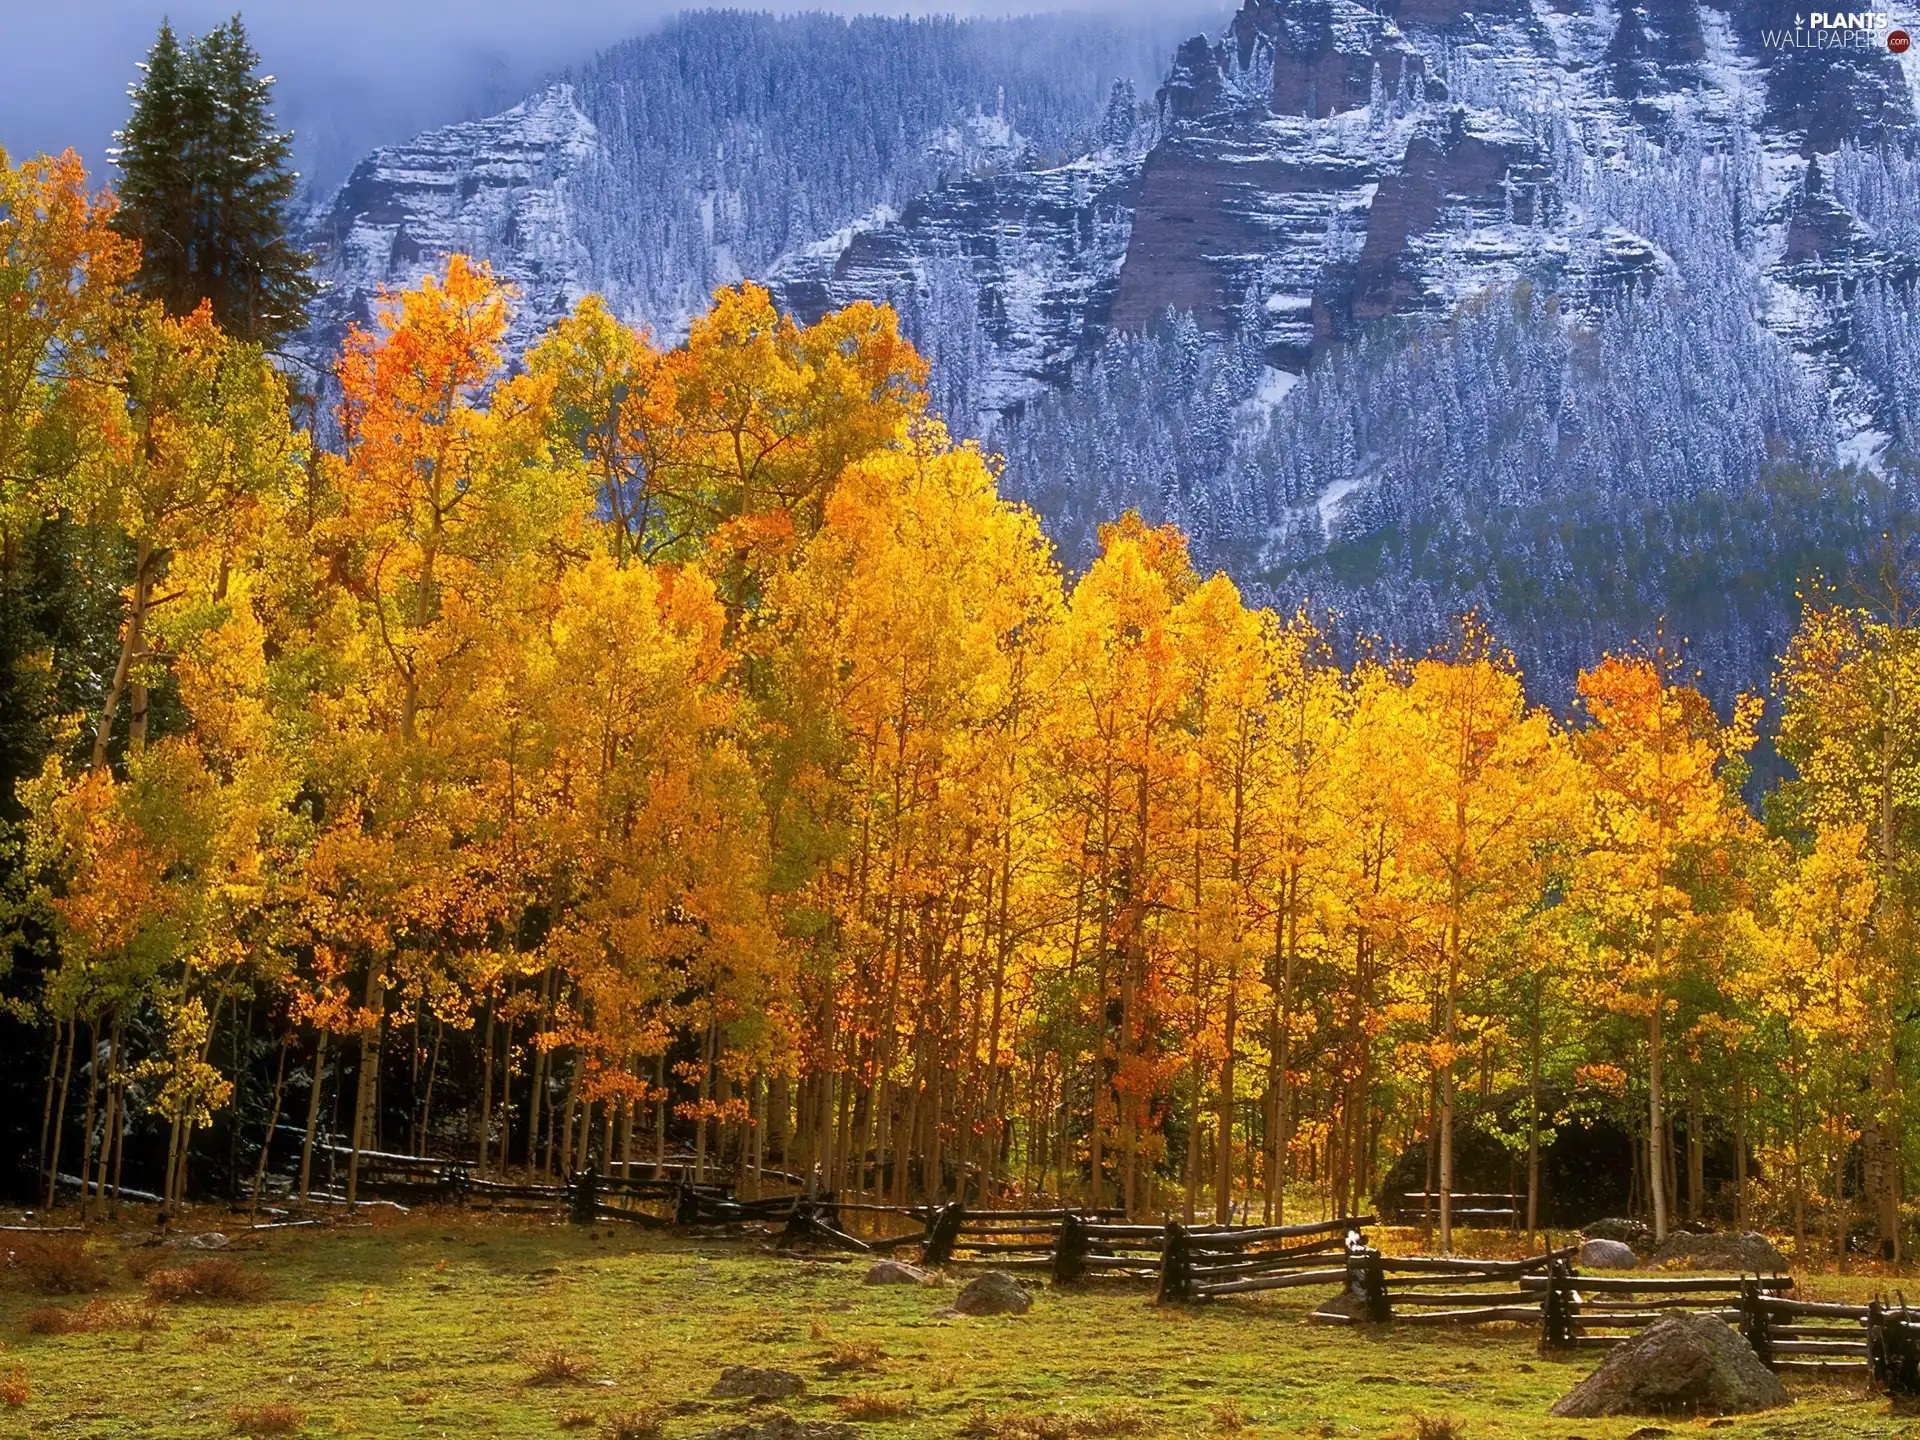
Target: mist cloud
{"x": 352, "y": 73}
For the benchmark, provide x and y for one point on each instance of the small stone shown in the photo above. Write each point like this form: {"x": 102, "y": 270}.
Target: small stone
{"x": 750, "y": 1382}
{"x": 1607, "y": 1255}
{"x": 896, "y": 1272}
{"x": 206, "y": 1240}
{"x": 994, "y": 1293}
{"x": 1341, "y": 1308}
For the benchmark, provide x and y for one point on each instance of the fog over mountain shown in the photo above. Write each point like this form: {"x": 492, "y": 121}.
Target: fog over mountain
{"x": 353, "y": 74}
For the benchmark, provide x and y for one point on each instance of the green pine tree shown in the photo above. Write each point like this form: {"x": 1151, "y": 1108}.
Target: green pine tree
{"x": 207, "y": 187}
{"x": 157, "y": 182}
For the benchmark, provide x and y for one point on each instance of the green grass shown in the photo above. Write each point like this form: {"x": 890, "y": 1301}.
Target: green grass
{"x": 445, "y": 1325}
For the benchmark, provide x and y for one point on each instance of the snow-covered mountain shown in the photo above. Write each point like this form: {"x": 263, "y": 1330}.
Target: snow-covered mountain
{"x": 710, "y": 150}
{"x": 1575, "y": 310}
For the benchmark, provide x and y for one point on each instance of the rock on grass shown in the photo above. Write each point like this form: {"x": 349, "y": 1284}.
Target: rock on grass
{"x": 1607, "y": 1255}
{"x": 1682, "y": 1365}
{"x": 994, "y": 1293}
{"x": 896, "y": 1272}
{"x": 750, "y": 1382}
{"x": 1720, "y": 1252}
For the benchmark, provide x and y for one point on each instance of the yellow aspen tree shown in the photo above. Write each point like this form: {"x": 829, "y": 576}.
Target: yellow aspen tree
{"x": 1661, "y": 770}
{"x": 1491, "y": 784}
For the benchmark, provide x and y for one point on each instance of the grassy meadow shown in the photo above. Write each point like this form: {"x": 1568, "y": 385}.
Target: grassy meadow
{"x": 444, "y": 1324}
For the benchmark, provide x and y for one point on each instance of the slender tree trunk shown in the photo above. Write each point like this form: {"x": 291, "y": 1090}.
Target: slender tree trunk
{"x": 484, "y": 1147}
{"x": 1450, "y": 1031}
{"x": 506, "y": 1093}
{"x": 86, "y": 1138}
{"x": 1533, "y": 1119}
{"x": 132, "y": 640}
{"x": 433, "y": 1071}
{"x": 1739, "y": 1144}
{"x": 1224, "y": 1106}
{"x": 110, "y": 1116}
{"x": 1696, "y": 1149}
{"x": 365, "y": 1089}
{"x": 266, "y": 1140}
{"x": 313, "y": 1113}
{"x": 46, "y": 1105}
{"x": 1656, "y": 1102}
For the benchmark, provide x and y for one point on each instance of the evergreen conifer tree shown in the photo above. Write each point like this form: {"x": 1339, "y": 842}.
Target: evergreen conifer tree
{"x": 207, "y": 184}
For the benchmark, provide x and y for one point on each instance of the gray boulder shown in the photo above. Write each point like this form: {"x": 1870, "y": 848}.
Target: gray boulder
{"x": 994, "y": 1293}
{"x": 1682, "y": 1365}
{"x": 749, "y": 1382}
{"x": 896, "y": 1272}
{"x": 1607, "y": 1255}
{"x": 1724, "y": 1251}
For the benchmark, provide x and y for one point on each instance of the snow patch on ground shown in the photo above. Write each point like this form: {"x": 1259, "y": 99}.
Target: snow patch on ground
{"x": 1328, "y": 502}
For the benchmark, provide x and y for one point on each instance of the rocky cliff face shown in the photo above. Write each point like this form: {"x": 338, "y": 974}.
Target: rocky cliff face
{"x": 504, "y": 188}
{"x": 1315, "y": 168}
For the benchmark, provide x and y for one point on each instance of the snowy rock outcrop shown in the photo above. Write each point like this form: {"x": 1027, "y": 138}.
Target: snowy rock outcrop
{"x": 506, "y": 189}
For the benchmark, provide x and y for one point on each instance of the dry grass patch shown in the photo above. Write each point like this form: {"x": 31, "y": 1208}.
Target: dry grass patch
{"x": 554, "y": 1366}
{"x": 1228, "y": 1417}
{"x": 14, "y": 1389}
{"x": 58, "y": 1264}
{"x": 856, "y": 1355}
{"x": 874, "y": 1406}
{"x": 647, "y": 1423}
{"x": 1436, "y": 1427}
{"x": 577, "y": 1420}
{"x": 276, "y": 1417}
{"x": 93, "y": 1316}
{"x": 1022, "y": 1425}
{"x": 221, "y": 1278}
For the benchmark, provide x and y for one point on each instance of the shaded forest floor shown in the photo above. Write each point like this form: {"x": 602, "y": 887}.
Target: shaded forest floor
{"x": 452, "y": 1325}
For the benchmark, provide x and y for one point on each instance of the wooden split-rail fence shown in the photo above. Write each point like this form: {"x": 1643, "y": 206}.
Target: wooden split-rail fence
{"x": 1071, "y": 1246}
{"x": 1197, "y": 1263}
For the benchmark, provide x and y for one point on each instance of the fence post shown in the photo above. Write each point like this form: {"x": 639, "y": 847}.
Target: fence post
{"x": 584, "y": 1197}
{"x": 1755, "y": 1321}
{"x": 686, "y": 1205}
{"x": 943, "y": 1231}
{"x": 1070, "y": 1250}
{"x": 1556, "y": 1309}
{"x": 1176, "y": 1265}
{"x": 1367, "y": 1279}
{"x": 1373, "y": 1279}
{"x": 1893, "y": 1350}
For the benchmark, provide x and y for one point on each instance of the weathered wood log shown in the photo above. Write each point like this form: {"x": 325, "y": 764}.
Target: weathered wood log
{"x": 1292, "y": 1281}
{"x": 1780, "y": 1305}
{"x": 1822, "y": 1347}
{"x": 1662, "y": 1285}
{"x": 1637, "y": 1320}
{"x": 1486, "y": 1314}
{"x": 974, "y": 1226}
